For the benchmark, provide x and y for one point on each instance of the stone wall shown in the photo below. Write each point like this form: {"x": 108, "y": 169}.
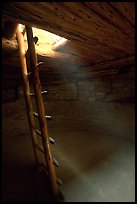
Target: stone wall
{"x": 104, "y": 104}
{"x": 94, "y": 104}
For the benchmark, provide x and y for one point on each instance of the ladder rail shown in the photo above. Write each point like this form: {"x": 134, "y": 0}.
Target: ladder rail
{"x": 41, "y": 111}
{"x": 28, "y": 99}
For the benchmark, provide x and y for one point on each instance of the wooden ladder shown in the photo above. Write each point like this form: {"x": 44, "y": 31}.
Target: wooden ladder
{"x": 48, "y": 165}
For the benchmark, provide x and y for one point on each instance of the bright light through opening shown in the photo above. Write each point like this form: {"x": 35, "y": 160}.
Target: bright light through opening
{"x": 46, "y": 40}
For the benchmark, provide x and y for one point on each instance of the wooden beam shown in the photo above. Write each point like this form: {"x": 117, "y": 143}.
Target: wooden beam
{"x": 113, "y": 16}
{"x": 127, "y": 9}
{"x": 28, "y": 100}
{"x": 67, "y": 20}
{"x": 8, "y": 46}
{"x": 96, "y": 53}
{"x": 113, "y": 65}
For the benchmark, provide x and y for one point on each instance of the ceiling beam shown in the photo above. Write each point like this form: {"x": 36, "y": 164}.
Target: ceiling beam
{"x": 74, "y": 21}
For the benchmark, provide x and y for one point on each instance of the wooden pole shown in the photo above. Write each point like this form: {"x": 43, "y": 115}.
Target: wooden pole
{"x": 41, "y": 112}
{"x": 28, "y": 99}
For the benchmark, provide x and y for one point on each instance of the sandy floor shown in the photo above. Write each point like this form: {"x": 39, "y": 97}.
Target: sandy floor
{"x": 93, "y": 168}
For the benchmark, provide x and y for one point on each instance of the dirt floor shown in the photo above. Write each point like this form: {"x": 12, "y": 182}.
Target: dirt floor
{"x": 93, "y": 167}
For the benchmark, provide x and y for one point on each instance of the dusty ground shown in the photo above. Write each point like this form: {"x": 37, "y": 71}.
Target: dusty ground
{"x": 92, "y": 167}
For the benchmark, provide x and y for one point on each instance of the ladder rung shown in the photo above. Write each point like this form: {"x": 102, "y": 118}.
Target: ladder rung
{"x": 32, "y": 94}
{"x": 39, "y": 148}
{"x": 47, "y": 116}
{"x": 40, "y": 63}
{"x": 52, "y": 141}
{"x": 46, "y": 171}
{"x": 44, "y": 167}
{"x": 55, "y": 162}
{"x": 35, "y": 114}
{"x": 43, "y": 92}
{"x": 59, "y": 181}
{"x": 38, "y": 132}
{"x": 29, "y": 74}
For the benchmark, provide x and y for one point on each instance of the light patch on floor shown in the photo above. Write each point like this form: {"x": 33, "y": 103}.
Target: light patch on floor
{"x": 93, "y": 167}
